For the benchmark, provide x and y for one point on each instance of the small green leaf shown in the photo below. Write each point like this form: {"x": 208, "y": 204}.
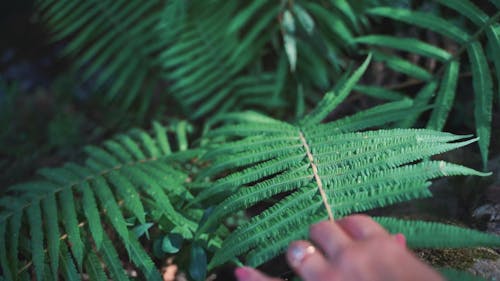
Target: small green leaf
{"x": 172, "y": 243}
{"x": 304, "y": 18}
{"x": 70, "y": 221}
{"x": 289, "y": 39}
{"x": 142, "y": 229}
{"x": 483, "y": 97}
{"x": 445, "y": 97}
{"x": 198, "y": 263}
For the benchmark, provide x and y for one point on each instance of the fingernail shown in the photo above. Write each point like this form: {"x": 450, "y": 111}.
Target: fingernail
{"x": 401, "y": 239}
{"x": 298, "y": 253}
{"x": 242, "y": 273}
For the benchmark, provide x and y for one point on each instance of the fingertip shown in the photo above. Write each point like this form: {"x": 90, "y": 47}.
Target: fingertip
{"x": 400, "y": 239}
{"x": 242, "y": 273}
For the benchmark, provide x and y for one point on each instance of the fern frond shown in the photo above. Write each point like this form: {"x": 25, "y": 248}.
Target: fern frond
{"x": 469, "y": 41}
{"x": 115, "y": 45}
{"x": 308, "y": 163}
{"x": 129, "y": 177}
{"x": 421, "y": 234}
{"x": 483, "y": 100}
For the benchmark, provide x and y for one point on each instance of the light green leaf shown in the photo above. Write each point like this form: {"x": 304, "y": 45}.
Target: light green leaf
{"x": 445, "y": 97}
{"x": 304, "y": 18}
{"x": 289, "y": 39}
{"x": 483, "y": 97}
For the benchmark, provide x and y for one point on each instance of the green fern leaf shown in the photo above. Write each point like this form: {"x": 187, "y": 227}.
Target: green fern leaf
{"x": 140, "y": 258}
{"x": 132, "y": 147}
{"x": 377, "y": 116}
{"x": 335, "y": 97}
{"x": 445, "y": 97}
{"x": 357, "y": 171}
{"x": 113, "y": 263}
{"x": 101, "y": 156}
{"x": 483, "y": 87}
{"x": 147, "y": 143}
{"x": 161, "y": 138}
{"x": 70, "y": 222}
{"x": 111, "y": 28}
{"x": 68, "y": 265}
{"x": 163, "y": 203}
{"x": 49, "y": 206}
{"x": 318, "y": 169}
{"x": 402, "y": 65}
{"x": 113, "y": 212}
{"x": 90, "y": 210}
{"x": 147, "y": 186}
{"x": 380, "y": 93}
{"x": 424, "y": 20}
{"x": 36, "y": 233}
{"x": 406, "y": 44}
{"x": 422, "y": 234}
{"x": 421, "y": 100}
{"x": 94, "y": 269}
{"x": 244, "y": 16}
{"x": 129, "y": 194}
{"x": 470, "y": 42}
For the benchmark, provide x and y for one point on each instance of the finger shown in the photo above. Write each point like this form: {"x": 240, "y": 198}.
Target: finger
{"x": 308, "y": 262}
{"x": 329, "y": 237}
{"x": 400, "y": 239}
{"x": 361, "y": 227}
{"x": 250, "y": 274}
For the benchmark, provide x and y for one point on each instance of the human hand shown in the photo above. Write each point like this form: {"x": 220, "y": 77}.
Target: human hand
{"x": 354, "y": 248}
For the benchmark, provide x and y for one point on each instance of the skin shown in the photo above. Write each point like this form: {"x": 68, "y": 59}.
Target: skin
{"x": 353, "y": 248}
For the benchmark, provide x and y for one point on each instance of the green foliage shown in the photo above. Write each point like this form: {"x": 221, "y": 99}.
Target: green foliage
{"x": 212, "y": 54}
{"x": 358, "y": 171}
{"x": 131, "y": 180}
{"x": 147, "y": 194}
{"x": 111, "y": 41}
{"x": 471, "y": 39}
